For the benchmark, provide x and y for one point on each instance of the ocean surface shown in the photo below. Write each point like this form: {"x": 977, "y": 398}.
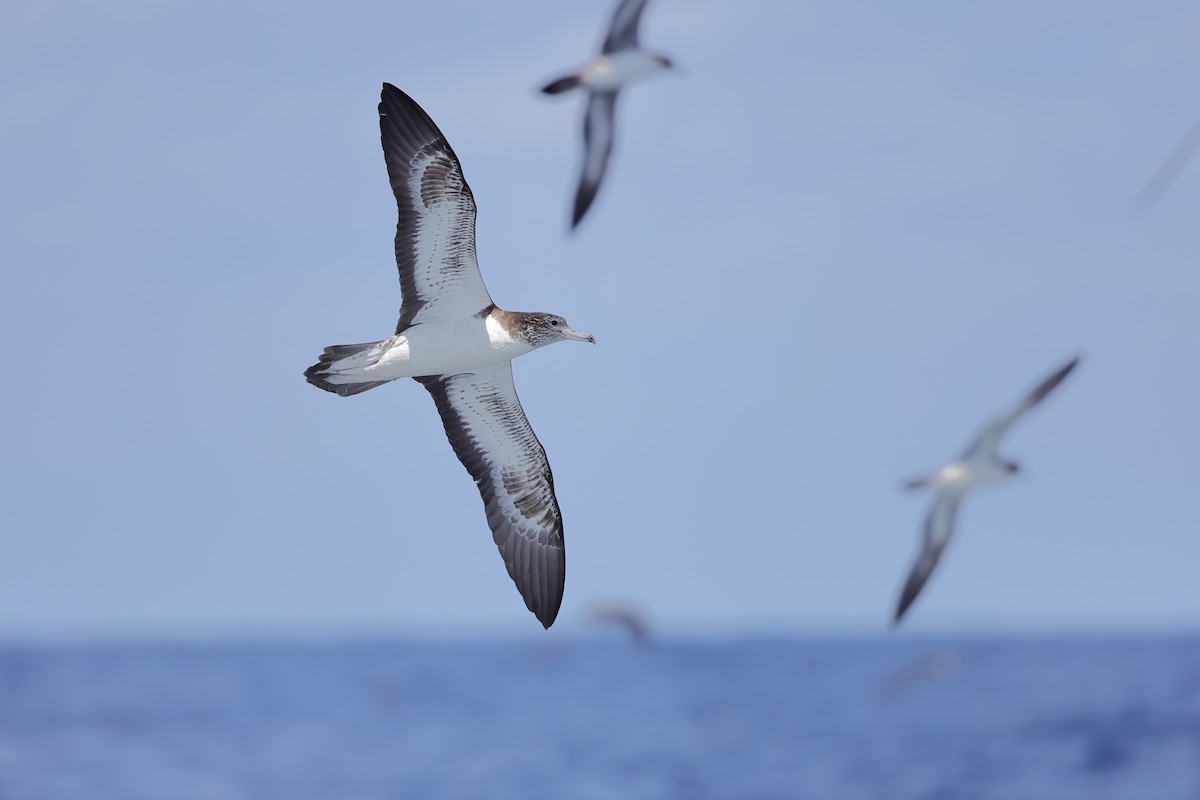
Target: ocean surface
{"x": 565, "y": 718}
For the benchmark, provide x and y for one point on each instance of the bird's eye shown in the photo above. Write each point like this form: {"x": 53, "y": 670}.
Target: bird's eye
{"x": 554, "y": 322}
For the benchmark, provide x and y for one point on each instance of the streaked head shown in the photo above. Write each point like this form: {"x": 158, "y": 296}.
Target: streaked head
{"x": 540, "y": 329}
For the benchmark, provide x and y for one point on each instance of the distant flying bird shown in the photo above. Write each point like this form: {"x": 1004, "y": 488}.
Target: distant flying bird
{"x": 620, "y": 61}
{"x": 979, "y": 465}
{"x": 1174, "y": 164}
{"x": 453, "y": 340}
{"x": 625, "y": 617}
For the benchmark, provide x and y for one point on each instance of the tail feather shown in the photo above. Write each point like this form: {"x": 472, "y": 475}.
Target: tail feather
{"x": 919, "y": 482}
{"x": 561, "y": 85}
{"x": 333, "y": 368}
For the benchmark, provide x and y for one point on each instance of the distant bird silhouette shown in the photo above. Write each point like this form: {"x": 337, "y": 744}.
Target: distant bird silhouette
{"x": 979, "y": 465}
{"x": 1174, "y": 164}
{"x": 459, "y": 345}
{"x": 623, "y": 617}
{"x": 620, "y": 61}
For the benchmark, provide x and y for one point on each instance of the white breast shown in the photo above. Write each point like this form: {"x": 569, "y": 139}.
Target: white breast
{"x": 500, "y": 339}
{"x": 446, "y": 348}
{"x": 954, "y": 473}
{"x": 609, "y": 72}
{"x": 973, "y": 473}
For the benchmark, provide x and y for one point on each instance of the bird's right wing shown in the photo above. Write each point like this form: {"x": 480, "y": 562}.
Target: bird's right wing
{"x": 623, "y": 30}
{"x": 988, "y": 439}
{"x": 939, "y": 527}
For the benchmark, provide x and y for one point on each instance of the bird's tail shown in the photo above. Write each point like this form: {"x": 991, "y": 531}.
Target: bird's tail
{"x": 561, "y": 85}
{"x": 342, "y": 368}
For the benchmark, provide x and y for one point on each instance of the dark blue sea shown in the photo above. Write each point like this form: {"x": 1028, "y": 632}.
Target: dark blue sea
{"x": 600, "y": 719}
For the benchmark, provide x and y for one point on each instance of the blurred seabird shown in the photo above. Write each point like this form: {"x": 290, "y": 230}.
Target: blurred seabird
{"x": 621, "y": 60}
{"x": 979, "y": 465}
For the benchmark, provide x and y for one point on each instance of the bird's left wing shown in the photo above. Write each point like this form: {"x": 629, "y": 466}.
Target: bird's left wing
{"x": 623, "y": 30}
{"x": 597, "y": 145}
{"x": 988, "y": 439}
{"x": 435, "y": 229}
{"x": 939, "y": 527}
{"x": 489, "y": 432}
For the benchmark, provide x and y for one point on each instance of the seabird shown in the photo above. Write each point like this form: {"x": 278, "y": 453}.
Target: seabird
{"x": 459, "y": 345}
{"x": 979, "y": 465}
{"x": 625, "y": 617}
{"x": 620, "y": 61}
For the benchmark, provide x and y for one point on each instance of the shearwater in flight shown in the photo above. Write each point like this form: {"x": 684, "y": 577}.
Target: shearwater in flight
{"x": 979, "y": 465}
{"x": 620, "y": 61}
{"x": 454, "y": 340}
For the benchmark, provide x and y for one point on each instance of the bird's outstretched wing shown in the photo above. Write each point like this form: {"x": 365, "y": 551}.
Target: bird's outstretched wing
{"x": 939, "y": 527}
{"x": 435, "y": 232}
{"x": 988, "y": 439}
{"x": 597, "y": 145}
{"x": 489, "y": 432}
{"x": 623, "y": 30}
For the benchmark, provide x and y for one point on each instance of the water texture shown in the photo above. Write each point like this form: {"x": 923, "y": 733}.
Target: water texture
{"x": 564, "y": 718}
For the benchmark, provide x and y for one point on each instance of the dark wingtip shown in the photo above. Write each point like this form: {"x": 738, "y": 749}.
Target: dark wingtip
{"x": 1054, "y": 380}
{"x": 547, "y": 612}
{"x": 546, "y": 616}
{"x": 1071, "y": 365}
{"x": 403, "y": 104}
{"x": 583, "y": 201}
{"x": 912, "y": 588}
{"x": 391, "y": 91}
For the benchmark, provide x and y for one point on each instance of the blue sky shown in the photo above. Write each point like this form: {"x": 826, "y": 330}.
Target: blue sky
{"x": 825, "y": 252}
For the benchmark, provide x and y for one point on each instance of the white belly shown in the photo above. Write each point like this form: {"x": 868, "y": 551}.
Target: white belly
{"x": 609, "y": 72}
{"x": 444, "y": 348}
{"x": 969, "y": 474}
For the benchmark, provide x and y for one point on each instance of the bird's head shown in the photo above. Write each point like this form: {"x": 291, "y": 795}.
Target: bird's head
{"x": 540, "y": 329}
